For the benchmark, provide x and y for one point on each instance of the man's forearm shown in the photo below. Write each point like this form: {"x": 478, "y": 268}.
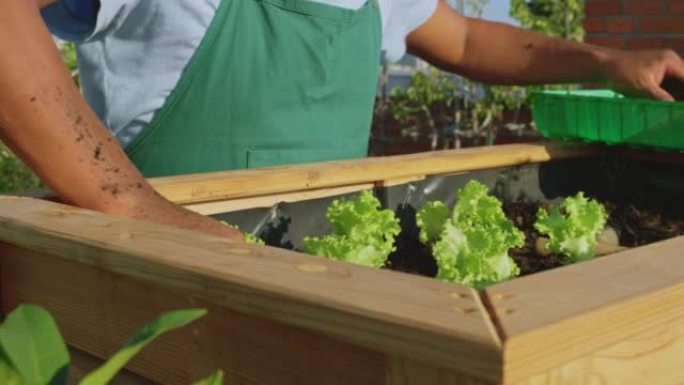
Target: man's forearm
{"x": 44, "y": 119}
{"x": 501, "y": 54}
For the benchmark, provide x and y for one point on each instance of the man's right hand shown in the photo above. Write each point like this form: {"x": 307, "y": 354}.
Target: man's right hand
{"x": 44, "y": 120}
{"x": 162, "y": 211}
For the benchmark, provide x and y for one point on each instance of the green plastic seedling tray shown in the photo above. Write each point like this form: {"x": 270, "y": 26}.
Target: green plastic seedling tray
{"x": 602, "y": 116}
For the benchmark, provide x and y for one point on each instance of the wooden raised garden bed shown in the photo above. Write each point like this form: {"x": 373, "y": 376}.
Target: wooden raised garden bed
{"x": 279, "y": 317}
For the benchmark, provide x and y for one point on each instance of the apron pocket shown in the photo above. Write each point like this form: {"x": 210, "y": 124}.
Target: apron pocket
{"x": 277, "y": 157}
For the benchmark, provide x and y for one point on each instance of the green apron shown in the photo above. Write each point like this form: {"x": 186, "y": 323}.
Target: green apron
{"x": 273, "y": 82}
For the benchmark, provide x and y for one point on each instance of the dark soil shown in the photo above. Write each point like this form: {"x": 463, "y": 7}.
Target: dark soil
{"x": 411, "y": 255}
{"x": 524, "y": 214}
{"x": 635, "y": 227}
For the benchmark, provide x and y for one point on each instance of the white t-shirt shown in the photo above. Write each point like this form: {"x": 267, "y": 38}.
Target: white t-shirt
{"x": 132, "y": 59}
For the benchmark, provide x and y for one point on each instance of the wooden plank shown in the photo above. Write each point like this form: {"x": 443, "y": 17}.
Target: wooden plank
{"x": 98, "y": 311}
{"x": 400, "y": 181}
{"x": 385, "y": 311}
{"x": 662, "y": 157}
{"x": 83, "y": 363}
{"x": 226, "y": 206}
{"x": 653, "y": 357}
{"x": 550, "y": 319}
{"x": 197, "y": 189}
{"x": 402, "y": 371}
{"x": 274, "y": 180}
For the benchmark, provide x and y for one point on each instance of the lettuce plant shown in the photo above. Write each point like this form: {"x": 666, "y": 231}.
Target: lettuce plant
{"x": 471, "y": 244}
{"x": 32, "y": 351}
{"x": 362, "y": 233}
{"x": 249, "y": 237}
{"x": 573, "y": 227}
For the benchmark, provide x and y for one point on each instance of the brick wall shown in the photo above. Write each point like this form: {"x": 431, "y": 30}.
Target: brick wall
{"x": 636, "y": 24}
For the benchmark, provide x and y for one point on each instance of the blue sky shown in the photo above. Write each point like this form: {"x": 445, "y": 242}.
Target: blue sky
{"x": 498, "y": 10}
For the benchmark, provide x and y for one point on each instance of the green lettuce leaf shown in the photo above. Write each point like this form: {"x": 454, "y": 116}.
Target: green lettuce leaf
{"x": 362, "y": 233}
{"x": 431, "y": 220}
{"x": 249, "y": 237}
{"x": 472, "y": 244}
{"x": 253, "y": 239}
{"x": 572, "y": 229}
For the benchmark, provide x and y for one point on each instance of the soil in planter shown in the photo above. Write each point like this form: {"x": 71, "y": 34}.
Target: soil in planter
{"x": 635, "y": 226}
{"x": 411, "y": 256}
{"x": 524, "y": 214}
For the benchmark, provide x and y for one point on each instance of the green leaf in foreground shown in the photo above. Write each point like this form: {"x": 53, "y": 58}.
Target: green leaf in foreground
{"x": 573, "y": 232}
{"x": 9, "y": 376}
{"x": 33, "y": 348}
{"x": 363, "y": 234}
{"x": 166, "y": 322}
{"x": 215, "y": 379}
{"x": 471, "y": 246}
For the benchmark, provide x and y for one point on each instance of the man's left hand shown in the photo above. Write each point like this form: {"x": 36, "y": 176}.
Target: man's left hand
{"x": 642, "y": 73}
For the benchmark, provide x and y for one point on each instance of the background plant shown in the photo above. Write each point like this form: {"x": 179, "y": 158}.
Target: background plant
{"x": 424, "y": 103}
{"x": 557, "y": 18}
{"x": 14, "y": 174}
{"x": 450, "y": 108}
{"x": 68, "y": 52}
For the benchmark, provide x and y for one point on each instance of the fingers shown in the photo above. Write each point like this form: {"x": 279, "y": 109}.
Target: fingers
{"x": 675, "y": 66}
{"x": 674, "y": 76}
{"x": 657, "y": 92}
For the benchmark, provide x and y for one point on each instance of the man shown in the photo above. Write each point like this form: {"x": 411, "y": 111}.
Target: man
{"x": 203, "y": 85}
